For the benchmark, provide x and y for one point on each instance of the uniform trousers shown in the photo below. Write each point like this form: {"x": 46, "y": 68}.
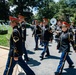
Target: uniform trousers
{"x": 68, "y": 59}
{"x": 36, "y": 41}
{"x": 11, "y": 64}
{"x": 46, "y": 49}
{"x": 24, "y": 51}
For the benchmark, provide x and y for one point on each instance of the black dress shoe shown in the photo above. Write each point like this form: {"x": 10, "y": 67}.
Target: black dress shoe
{"x": 41, "y": 57}
{"x": 47, "y": 55}
{"x": 57, "y": 73}
{"x": 35, "y": 48}
{"x": 71, "y": 66}
{"x": 42, "y": 45}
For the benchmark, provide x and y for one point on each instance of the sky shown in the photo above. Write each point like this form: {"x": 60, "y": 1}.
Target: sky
{"x": 56, "y": 0}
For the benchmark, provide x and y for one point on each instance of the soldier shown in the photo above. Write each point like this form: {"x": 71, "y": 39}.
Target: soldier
{"x": 41, "y": 38}
{"x": 64, "y": 46}
{"x": 45, "y": 27}
{"x": 47, "y": 36}
{"x": 15, "y": 52}
{"x": 72, "y": 25}
{"x": 22, "y": 22}
{"x": 58, "y": 30}
{"x": 75, "y": 40}
{"x": 36, "y": 33}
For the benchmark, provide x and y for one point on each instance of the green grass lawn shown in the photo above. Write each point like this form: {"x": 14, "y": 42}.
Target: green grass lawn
{"x": 4, "y": 39}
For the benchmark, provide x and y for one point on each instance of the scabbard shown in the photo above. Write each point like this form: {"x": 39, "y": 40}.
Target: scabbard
{"x": 9, "y": 66}
{"x": 61, "y": 69}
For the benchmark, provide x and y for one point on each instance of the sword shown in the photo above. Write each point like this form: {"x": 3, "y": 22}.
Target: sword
{"x": 9, "y": 65}
{"x": 61, "y": 69}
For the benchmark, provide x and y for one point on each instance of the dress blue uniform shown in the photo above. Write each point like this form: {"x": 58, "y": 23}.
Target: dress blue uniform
{"x": 64, "y": 46}
{"x": 22, "y": 28}
{"x": 37, "y": 34}
{"x": 16, "y": 52}
{"x": 47, "y": 37}
{"x": 23, "y": 32}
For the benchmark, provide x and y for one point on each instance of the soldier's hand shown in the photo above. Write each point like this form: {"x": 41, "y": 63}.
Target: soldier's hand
{"x": 16, "y": 58}
{"x": 57, "y": 32}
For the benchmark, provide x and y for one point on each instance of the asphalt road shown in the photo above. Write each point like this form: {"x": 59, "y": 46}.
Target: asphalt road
{"x": 47, "y": 66}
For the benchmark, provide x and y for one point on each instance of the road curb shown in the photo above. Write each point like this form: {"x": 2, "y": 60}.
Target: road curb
{"x": 3, "y": 47}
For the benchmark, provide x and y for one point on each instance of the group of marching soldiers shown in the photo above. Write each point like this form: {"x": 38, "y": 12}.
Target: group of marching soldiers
{"x": 42, "y": 31}
{"x": 63, "y": 34}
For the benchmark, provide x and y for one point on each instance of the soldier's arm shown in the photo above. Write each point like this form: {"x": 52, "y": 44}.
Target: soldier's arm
{"x": 51, "y": 36}
{"x": 33, "y": 32}
{"x": 16, "y": 38}
{"x": 24, "y": 31}
{"x": 25, "y": 34}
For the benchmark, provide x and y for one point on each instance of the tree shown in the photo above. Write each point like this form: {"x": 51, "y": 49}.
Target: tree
{"x": 4, "y": 10}
{"x": 64, "y": 11}
{"x": 23, "y": 6}
{"x": 46, "y": 9}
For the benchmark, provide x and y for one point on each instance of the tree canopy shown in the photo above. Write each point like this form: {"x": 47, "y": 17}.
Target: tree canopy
{"x": 64, "y": 9}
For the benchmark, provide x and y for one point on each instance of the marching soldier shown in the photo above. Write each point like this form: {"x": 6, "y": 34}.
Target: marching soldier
{"x": 75, "y": 40}
{"x": 22, "y": 22}
{"x": 41, "y": 38}
{"x": 47, "y": 36}
{"x": 36, "y": 33}
{"x": 15, "y": 52}
{"x": 72, "y": 25}
{"x": 58, "y": 30}
{"x": 64, "y": 46}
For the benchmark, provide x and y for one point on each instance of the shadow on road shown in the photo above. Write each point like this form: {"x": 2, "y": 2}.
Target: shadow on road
{"x": 33, "y": 62}
{"x": 30, "y": 52}
{"x": 52, "y": 57}
{"x": 69, "y": 71}
{"x": 40, "y": 48}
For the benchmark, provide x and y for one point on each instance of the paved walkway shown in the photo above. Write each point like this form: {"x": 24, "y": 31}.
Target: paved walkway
{"x": 45, "y": 67}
